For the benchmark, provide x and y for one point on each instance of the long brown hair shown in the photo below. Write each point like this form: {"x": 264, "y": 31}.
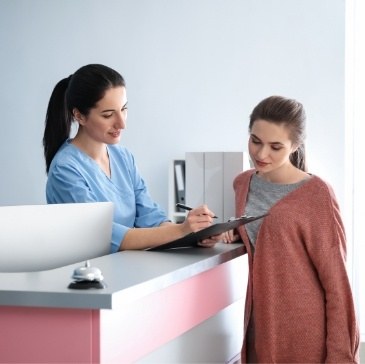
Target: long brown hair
{"x": 289, "y": 112}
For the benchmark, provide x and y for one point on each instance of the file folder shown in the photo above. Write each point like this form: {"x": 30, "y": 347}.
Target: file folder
{"x": 194, "y": 168}
{"x": 213, "y": 183}
{"x": 192, "y": 239}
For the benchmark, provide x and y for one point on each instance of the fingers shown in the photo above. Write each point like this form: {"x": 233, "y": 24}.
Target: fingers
{"x": 217, "y": 238}
{"x": 207, "y": 243}
{"x": 203, "y": 210}
{"x": 199, "y": 218}
{"x": 230, "y": 236}
{"x": 227, "y": 237}
{"x": 198, "y": 222}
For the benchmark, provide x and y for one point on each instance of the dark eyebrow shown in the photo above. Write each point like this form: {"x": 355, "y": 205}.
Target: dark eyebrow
{"x": 272, "y": 143}
{"x": 255, "y": 136}
{"x": 109, "y": 110}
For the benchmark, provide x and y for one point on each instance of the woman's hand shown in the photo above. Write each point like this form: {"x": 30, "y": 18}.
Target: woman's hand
{"x": 198, "y": 219}
{"x": 211, "y": 241}
{"x": 230, "y": 236}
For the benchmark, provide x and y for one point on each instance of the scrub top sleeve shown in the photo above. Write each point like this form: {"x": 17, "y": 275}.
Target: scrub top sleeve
{"x": 118, "y": 234}
{"x": 148, "y": 212}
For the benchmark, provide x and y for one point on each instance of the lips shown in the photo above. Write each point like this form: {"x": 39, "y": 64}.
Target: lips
{"x": 115, "y": 134}
{"x": 261, "y": 164}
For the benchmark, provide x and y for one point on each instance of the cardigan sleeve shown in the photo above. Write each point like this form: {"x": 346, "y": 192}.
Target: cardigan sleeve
{"x": 327, "y": 249}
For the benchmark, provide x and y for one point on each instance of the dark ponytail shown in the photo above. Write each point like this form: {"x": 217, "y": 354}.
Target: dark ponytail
{"x": 58, "y": 121}
{"x": 82, "y": 91}
{"x": 297, "y": 158}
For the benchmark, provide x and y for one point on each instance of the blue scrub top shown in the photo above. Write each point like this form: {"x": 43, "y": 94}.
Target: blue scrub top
{"x": 75, "y": 177}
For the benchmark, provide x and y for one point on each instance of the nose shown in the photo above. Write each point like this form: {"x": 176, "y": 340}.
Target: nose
{"x": 262, "y": 152}
{"x": 121, "y": 119}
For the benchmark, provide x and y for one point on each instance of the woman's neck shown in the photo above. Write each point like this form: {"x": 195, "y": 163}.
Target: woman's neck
{"x": 95, "y": 150}
{"x": 286, "y": 174}
{"x": 92, "y": 148}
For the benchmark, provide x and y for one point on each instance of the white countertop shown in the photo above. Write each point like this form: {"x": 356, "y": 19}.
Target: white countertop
{"x": 129, "y": 275}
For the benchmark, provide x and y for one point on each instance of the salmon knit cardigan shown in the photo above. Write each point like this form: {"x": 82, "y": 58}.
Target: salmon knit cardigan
{"x": 298, "y": 284}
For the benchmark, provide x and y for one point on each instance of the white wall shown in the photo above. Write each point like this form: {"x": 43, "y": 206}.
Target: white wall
{"x": 355, "y": 129}
{"x": 194, "y": 71}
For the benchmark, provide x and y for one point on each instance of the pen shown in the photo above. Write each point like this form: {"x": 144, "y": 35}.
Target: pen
{"x": 188, "y": 208}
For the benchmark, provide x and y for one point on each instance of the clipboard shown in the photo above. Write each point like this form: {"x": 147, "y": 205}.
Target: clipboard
{"x": 192, "y": 239}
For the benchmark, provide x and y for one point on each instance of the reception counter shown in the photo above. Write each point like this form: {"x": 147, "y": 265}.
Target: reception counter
{"x": 153, "y": 303}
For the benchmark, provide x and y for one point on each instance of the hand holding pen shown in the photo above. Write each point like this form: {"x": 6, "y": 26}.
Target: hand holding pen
{"x": 188, "y": 208}
{"x": 200, "y": 218}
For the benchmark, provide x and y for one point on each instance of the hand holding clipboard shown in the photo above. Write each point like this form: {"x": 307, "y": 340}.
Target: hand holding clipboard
{"x": 192, "y": 239}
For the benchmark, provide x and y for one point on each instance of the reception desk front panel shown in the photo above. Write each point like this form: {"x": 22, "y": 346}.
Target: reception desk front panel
{"x": 151, "y": 298}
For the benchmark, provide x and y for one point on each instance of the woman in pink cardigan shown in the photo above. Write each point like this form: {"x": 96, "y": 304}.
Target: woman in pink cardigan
{"x": 299, "y": 306}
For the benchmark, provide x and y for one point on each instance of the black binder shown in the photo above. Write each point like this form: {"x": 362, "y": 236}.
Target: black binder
{"x": 179, "y": 172}
{"x": 192, "y": 239}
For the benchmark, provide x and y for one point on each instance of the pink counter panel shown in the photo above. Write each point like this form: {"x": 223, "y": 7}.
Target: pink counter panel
{"x": 131, "y": 328}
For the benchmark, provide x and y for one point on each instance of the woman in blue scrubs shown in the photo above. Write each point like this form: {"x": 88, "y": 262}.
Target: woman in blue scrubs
{"x": 93, "y": 167}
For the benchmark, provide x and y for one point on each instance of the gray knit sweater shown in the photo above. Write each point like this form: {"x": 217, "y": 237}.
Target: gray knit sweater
{"x": 261, "y": 197}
